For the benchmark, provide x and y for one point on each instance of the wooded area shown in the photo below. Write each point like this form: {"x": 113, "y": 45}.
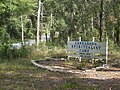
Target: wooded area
{"x": 27, "y": 19}
{"x": 25, "y": 56}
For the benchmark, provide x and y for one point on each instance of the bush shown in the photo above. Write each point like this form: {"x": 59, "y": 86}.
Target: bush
{"x": 7, "y": 53}
{"x": 24, "y": 51}
{"x": 4, "y": 49}
{"x": 98, "y": 63}
{"x": 4, "y": 36}
{"x": 49, "y": 50}
{"x": 81, "y": 66}
{"x": 57, "y": 52}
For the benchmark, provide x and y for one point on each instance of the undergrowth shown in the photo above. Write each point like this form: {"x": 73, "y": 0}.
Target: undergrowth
{"x": 46, "y": 50}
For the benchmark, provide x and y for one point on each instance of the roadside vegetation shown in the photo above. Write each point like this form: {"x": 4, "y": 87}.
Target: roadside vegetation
{"x": 58, "y": 21}
{"x": 17, "y": 72}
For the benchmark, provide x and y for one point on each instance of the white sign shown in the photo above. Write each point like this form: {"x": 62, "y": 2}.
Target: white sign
{"x": 86, "y": 49}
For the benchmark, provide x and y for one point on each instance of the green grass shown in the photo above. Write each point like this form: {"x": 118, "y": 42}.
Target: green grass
{"x": 48, "y": 51}
{"x": 21, "y": 75}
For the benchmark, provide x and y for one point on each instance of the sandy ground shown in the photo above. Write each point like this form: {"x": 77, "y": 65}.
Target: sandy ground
{"x": 108, "y": 73}
{"x": 105, "y": 79}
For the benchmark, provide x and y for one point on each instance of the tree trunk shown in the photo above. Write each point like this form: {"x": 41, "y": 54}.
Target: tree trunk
{"x": 52, "y": 34}
{"x": 117, "y": 28}
{"x": 117, "y": 37}
{"x": 38, "y": 23}
{"x": 46, "y": 37}
{"x": 92, "y": 25}
{"x": 22, "y": 27}
{"x": 34, "y": 25}
{"x": 118, "y": 33}
{"x": 101, "y": 20}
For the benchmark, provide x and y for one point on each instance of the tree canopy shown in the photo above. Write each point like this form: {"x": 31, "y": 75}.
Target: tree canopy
{"x": 73, "y": 18}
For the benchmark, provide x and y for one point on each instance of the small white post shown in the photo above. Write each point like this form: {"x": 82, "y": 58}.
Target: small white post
{"x": 68, "y": 44}
{"x": 93, "y": 39}
{"x": 68, "y": 38}
{"x": 80, "y": 41}
{"x": 106, "y": 51}
{"x": 93, "y": 52}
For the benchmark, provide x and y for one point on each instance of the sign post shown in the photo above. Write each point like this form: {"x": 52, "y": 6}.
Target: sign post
{"x": 93, "y": 52}
{"x": 106, "y": 51}
{"x": 80, "y": 56}
{"x": 68, "y": 43}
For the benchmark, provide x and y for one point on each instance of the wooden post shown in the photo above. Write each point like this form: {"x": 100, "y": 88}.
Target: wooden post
{"x": 67, "y": 44}
{"x": 68, "y": 38}
{"x": 106, "y": 51}
{"x": 93, "y": 52}
{"x": 80, "y": 41}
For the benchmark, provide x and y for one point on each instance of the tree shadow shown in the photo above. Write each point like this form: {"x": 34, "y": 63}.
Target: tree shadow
{"x": 41, "y": 79}
{"x": 72, "y": 82}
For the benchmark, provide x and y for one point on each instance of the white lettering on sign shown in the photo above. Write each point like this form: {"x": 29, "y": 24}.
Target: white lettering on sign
{"x": 86, "y": 49}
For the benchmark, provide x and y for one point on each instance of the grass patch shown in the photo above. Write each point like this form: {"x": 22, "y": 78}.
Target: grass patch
{"x": 21, "y": 75}
{"x": 48, "y": 51}
{"x": 74, "y": 84}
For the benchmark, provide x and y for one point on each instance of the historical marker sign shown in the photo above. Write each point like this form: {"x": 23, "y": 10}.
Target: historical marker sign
{"x": 86, "y": 49}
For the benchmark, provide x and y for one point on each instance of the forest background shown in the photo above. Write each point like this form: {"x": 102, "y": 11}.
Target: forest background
{"x": 60, "y": 19}
{"x": 25, "y": 20}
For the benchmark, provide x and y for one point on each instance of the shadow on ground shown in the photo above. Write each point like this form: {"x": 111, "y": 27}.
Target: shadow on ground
{"x": 39, "y": 79}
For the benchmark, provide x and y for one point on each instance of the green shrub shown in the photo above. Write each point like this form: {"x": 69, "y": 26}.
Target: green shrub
{"x": 7, "y": 53}
{"x": 57, "y": 52}
{"x": 4, "y": 36}
{"x": 4, "y": 49}
{"x": 98, "y": 63}
{"x": 49, "y": 50}
{"x": 81, "y": 66}
{"x": 24, "y": 51}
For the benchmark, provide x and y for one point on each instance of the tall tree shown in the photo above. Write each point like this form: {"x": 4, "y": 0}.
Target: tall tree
{"x": 38, "y": 22}
{"x": 101, "y": 20}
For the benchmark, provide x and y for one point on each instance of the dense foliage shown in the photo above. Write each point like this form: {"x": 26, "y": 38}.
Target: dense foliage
{"x": 73, "y": 18}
